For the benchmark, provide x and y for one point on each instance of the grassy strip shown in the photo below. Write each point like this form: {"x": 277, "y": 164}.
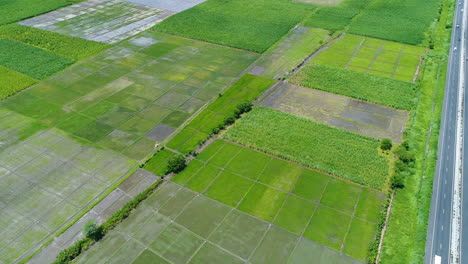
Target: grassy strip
{"x": 212, "y": 119}
{"x": 253, "y": 25}
{"x": 407, "y": 229}
{"x": 336, "y": 151}
{"x": 399, "y": 20}
{"x": 363, "y": 86}
{"x": 30, "y": 60}
{"x": 12, "y": 82}
{"x": 67, "y": 255}
{"x": 67, "y": 46}
{"x": 16, "y": 10}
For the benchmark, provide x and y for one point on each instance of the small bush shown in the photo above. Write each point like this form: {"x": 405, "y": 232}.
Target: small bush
{"x": 244, "y": 107}
{"x": 92, "y": 231}
{"x": 175, "y": 164}
{"x": 397, "y": 181}
{"x": 386, "y": 144}
{"x": 67, "y": 255}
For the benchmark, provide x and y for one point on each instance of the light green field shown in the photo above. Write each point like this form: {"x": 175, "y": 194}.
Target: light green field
{"x": 174, "y": 225}
{"x": 378, "y": 57}
{"x": 284, "y": 193}
{"x": 347, "y": 155}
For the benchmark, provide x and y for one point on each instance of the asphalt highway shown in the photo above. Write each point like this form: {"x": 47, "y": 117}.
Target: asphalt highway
{"x": 440, "y": 243}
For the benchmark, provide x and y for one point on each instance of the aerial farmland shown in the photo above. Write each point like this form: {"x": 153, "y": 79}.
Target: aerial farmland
{"x": 216, "y": 131}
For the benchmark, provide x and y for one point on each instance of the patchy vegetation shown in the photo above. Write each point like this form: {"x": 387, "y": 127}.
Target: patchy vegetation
{"x": 329, "y": 149}
{"x": 222, "y": 112}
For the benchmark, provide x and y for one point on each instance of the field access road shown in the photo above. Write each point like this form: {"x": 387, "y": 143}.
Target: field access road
{"x": 447, "y": 242}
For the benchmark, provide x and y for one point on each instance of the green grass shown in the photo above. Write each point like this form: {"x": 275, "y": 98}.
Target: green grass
{"x": 336, "y": 17}
{"x": 370, "y": 205}
{"x": 347, "y": 155}
{"x": 192, "y": 168}
{"x": 203, "y": 178}
{"x": 328, "y": 227}
{"x": 13, "y": 82}
{"x": 399, "y": 20}
{"x": 262, "y": 201}
{"x": 341, "y": 195}
{"x": 295, "y": 214}
{"x": 229, "y": 188}
{"x": 247, "y": 24}
{"x": 405, "y": 239}
{"x": 246, "y": 89}
{"x": 30, "y": 60}
{"x": 248, "y": 163}
{"x": 331, "y": 18}
{"x": 363, "y": 86}
{"x": 280, "y": 174}
{"x": 359, "y": 237}
{"x": 157, "y": 164}
{"x": 15, "y": 10}
{"x": 311, "y": 185}
{"x": 63, "y": 45}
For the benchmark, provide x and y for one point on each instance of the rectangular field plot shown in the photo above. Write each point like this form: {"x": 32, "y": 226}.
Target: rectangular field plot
{"x": 108, "y": 21}
{"x": 285, "y": 194}
{"x": 246, "y": 89}
{"x": 282, "y": 58}
{"x": 301, "y": 140}
{"x": 378, "y": 57}
{"x": 31, "y": 61}
{"x": 205, "y": 231}
{"x": 247, "y": 24}
{"x": 134, "y": 95}
{"x": 367, "y": 119}
{"x": 46, "y": 181}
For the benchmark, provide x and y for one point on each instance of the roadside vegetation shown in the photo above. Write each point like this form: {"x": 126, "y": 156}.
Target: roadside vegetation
{"x": 335, "y": 151}
{"x": 405, "y": 238}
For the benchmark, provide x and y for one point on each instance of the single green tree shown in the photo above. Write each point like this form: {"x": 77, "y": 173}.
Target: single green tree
{"x": 386, "y": 144}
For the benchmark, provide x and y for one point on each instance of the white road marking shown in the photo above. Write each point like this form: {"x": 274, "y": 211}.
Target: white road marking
{"x": 455, "y": 227}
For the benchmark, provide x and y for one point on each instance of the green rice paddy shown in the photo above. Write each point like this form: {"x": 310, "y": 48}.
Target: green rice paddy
{"x": 347, "y": 155}
{"x": 298, "y": 199}
{"x": 378, "y": 57}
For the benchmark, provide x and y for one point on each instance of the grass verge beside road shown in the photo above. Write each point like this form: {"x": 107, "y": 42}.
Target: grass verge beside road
{"x": 406, "y": 234}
